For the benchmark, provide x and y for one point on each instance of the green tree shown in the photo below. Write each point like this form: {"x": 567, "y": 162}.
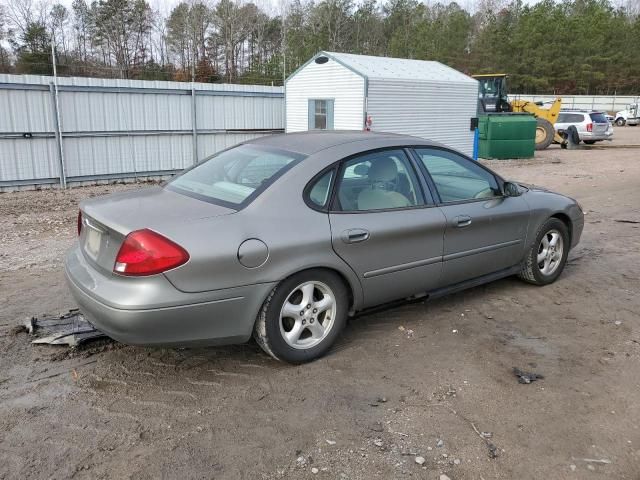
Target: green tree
{"x": 368, "y": 29}
{"x": 402, "y": 19}
{"x": 444, "y": 34}
{"x": 121, "y": 31}
{"x": 5, "y": 62}
{"x": 34, "y": 51}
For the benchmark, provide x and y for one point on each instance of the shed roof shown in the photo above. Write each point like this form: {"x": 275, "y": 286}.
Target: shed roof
{"x": 398, "y": 68}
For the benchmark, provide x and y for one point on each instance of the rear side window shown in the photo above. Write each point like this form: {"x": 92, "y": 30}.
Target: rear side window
{"x": 379, "y": 180}
{"x": 320, "y": 190}
{"x": 570, "y": 118}
{"x": 598, "y": 118}
{"x": 234, "y": 176}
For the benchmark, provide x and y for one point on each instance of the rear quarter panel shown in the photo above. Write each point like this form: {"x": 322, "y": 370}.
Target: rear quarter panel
{"x": 295, "y": 239}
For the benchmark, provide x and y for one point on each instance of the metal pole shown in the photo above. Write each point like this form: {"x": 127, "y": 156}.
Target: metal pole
{"x": 284, "y": 61}
{"x": 194, "y": 116}
{"x": 194, "y": 123}
{"x": 476, "y": 143}
{"x": 53, "y": 88}
{"x": 284, "y": 44}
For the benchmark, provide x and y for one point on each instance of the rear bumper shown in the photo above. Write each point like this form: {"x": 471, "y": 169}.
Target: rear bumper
{"x": 596, "y": 137}
{"x": 151, "y": 311}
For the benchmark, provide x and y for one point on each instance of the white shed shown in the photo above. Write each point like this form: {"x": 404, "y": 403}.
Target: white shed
{"x": 342, "y": 91}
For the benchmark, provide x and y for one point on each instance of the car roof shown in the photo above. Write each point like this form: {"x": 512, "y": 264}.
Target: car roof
{"x": 312, "y": 142}
{"x": 579, "y": 110}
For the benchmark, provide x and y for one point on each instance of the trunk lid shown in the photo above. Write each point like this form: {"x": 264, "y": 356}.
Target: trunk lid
{"x": 600, "y": 123}
{"x": 107, "y": 220}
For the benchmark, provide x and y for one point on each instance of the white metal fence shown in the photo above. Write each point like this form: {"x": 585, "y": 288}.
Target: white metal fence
{"x": 90, "y": 129}
{"x": 100, "y": 129}
{"x": 605, "y": 103}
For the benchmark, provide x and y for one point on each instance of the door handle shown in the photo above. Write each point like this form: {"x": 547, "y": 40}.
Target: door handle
{"x": 462, "y": 221}
{"x": 355, "y": 235}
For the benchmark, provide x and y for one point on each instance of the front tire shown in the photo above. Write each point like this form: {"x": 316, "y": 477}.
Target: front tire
{"x": 546, "y": 259}
{"x": 544, "y": 133}
{"x": 620, "y": 122}
{"x": 302, "y": 316}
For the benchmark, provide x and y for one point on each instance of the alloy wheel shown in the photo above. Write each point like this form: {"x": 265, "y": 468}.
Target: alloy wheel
{"x": 307, "y": 315}
{"x": 550, "y": 252}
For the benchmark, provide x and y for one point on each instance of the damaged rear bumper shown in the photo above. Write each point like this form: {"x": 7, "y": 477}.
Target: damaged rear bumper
{"x": 151, "y": 311}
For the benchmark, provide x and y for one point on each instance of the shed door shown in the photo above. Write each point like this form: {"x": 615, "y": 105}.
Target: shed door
{"x": 321, "y": 114}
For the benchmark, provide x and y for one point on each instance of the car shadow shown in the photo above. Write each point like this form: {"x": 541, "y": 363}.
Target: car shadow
{"x": 362, "y": 330}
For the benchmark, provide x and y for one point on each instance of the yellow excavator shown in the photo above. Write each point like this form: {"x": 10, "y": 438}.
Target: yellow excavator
{"x": 493, "y": 99}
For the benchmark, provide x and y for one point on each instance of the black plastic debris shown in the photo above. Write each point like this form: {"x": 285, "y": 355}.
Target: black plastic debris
{"x": 71, "y": 329}
{"x": 493, "y": 450}
{"x": 526, "y": 377}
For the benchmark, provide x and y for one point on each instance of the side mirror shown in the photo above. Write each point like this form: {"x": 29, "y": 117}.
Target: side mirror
{"x": 511, "y": 189}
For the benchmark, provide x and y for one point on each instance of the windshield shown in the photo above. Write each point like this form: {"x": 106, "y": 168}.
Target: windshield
{"x": 234, "y": 176}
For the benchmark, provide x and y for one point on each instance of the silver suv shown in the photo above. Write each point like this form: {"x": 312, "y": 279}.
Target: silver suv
{"x": 592, "y": 126}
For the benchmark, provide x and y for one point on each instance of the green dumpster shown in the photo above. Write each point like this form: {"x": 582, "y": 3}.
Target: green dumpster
{"x": 507, "y": 135}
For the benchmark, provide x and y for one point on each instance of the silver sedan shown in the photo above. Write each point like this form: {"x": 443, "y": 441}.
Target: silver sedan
{"x": 285, "y": 237}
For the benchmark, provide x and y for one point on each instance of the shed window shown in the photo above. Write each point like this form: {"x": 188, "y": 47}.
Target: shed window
{"x": 320, "y": 114}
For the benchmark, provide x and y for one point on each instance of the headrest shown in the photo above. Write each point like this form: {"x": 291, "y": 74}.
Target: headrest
{"x": 383, "y": 170}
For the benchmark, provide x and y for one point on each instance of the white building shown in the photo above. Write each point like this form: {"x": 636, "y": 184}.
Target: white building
{"x": 343, "y": 91}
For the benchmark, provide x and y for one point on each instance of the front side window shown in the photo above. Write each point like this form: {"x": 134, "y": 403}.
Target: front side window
{"x": 457, "y": 178}
{"x": 235, "y": 175}
{"x": 321, "y": 114}
{"x": 378, "y": 181}
{"x": 570, "y": 118}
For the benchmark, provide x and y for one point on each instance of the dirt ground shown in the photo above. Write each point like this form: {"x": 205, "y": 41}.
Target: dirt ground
{"x": 398, "y": 384}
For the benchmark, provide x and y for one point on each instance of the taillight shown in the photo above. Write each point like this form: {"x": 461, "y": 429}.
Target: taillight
{"x": 145, "y": 252}
{"x": 79, "y": 222}
{"x": 589, "y": 127}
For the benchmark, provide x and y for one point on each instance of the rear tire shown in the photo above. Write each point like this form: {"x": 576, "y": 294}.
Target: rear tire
{"x": 545, "y": 260}
{"x": 544, "y": 133}
{"x": 302, "y": 317}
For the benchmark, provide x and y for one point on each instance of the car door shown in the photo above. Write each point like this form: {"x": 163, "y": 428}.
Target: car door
{"x": 386, "y": 227}
{"x": 485, "y": 230}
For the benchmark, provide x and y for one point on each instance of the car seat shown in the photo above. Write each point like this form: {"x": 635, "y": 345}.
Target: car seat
{"x": 380, "y": 193}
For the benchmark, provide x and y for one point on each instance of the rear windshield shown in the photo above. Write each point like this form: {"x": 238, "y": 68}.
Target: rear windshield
{"x": 236, "y": 176}
{"x": 598, "y": 118}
